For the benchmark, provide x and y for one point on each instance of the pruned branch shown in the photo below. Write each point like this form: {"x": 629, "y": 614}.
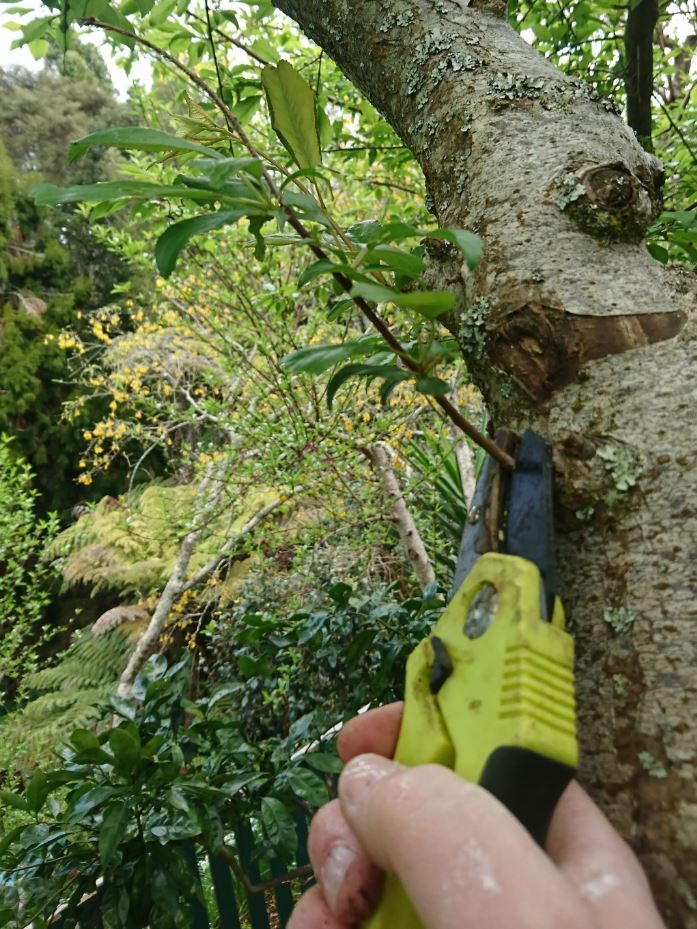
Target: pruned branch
{"x": 177, "y": 584}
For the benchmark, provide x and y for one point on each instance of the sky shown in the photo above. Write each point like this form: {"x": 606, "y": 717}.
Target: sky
{"x": 23, "y": 57}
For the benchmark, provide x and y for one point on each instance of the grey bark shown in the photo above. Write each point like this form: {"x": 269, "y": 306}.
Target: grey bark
{"x": 465, "y": 462}
{"x": 571, "y": 327}
{"x": 177, "y": 583}
{"x": 379, "y": 456}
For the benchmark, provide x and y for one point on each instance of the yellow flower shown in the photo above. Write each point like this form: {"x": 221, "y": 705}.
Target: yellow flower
{"x": 84, "y": 479}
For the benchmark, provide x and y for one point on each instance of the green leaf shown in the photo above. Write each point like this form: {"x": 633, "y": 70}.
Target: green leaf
{"x": 469, "y": 244}
{"x": 125, "y": 748}
{"x": 173, "y": 240}
{"x": 338, "y": 307}
{"x": 396, "y": 259}
{"x": 307, "y": 786}
{"x": 82, "y": 739}
{"x": 314, "y": 359}
{"x": 222, "y": 169}
{"x": 340, "y": 593}
{"x": 279, "y": 827}
{"x": 311, "y": 627}
{"x": 139, "y": 139}
{"x": 432, "y": 386}
{"x": 321, "y": 761}
{"x": 427, "y": 303}
{"x": 124, "y": 708}
{"x": 112, "y": 831}
{"x": 90, "y": 800}
{"x": 38, "y": 48}
{"x": 389, "y": 384}
{"x": 93, "y": 756}
{"x": 37, "y": 791}
{"x": 323, "y": 266}
{"x": 306, "y": 206}
{"x": 13, "y": 800}
{"x": 50, "y": 195}
{"x": 293, "y": 115}
{"x": 364, "y": 370}
{"x": 36, "y": 29}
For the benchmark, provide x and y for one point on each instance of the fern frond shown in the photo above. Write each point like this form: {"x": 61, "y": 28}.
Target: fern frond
{"x": 76, "y": 694}
{"x": 117, "y": 615}
{"x": 90, "y": 660}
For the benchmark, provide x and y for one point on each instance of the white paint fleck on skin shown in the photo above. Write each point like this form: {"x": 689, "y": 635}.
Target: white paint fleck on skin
{"x": 482, "y": 868}
{"x": 598, "y": 887}
{"x": 473, "y": 865}
{"x": 360, "y": 768}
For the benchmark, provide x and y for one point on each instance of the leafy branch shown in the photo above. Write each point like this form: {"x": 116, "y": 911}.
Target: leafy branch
{"x": 295, "y": 222}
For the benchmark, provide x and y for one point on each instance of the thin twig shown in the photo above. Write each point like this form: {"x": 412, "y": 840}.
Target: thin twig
{"x": 209, "y": 30}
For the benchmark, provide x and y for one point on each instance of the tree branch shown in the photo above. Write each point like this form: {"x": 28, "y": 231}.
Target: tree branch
{"x": 379, "y": 456}
{"x": 177, "y": 584}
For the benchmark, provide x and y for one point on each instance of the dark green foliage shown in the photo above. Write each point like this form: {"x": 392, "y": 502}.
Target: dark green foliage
{"x": 43, "y": 112}
{"x": 49, "y": 269}
{"x": 294, "y": 676}
{"x": 126, "y": 804}
{"x": 24, "y": 579}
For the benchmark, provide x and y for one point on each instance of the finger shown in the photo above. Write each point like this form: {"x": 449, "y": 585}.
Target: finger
{"x": 599, "y": 864}
{"x": 312, "y": 912}
{"x": 350, "y": 882}
{"x": 463, "y": 859}
{"x": 375, "y": 732}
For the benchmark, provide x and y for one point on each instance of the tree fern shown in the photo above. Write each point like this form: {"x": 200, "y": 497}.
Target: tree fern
{"x": 73, "y": 693}
{"x": 131, "y": 544}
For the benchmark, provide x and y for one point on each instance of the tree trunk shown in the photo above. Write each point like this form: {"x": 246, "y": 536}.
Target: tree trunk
{"x": 569, "y": 326}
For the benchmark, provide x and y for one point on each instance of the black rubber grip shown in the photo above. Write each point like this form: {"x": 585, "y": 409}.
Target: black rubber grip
{"x": 528, "y": 784}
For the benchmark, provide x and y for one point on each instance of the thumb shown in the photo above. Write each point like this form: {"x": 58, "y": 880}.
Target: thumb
{"x": 462, "y": 858}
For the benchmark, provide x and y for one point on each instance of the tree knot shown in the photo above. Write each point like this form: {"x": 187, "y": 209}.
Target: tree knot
{"x": 608, "y": 201}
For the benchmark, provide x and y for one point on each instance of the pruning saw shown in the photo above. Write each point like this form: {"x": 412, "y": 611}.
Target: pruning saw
{"x": 490, "y": 692}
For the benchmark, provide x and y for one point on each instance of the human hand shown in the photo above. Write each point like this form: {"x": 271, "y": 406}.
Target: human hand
{"x": 462, "y": 858}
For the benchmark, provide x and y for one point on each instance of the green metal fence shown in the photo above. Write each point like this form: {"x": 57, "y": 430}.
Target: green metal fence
{"x": 269, "y": 902}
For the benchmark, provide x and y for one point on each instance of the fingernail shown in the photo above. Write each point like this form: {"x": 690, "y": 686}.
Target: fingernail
{"x": 360, "y": 774}
{"x": 334, "y": 870}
